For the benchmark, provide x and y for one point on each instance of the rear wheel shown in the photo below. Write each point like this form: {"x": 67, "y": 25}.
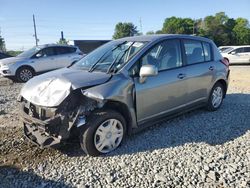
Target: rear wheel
{"x": 104, "y": 133}
{"x": 23, "y": 74}
{"x": 216, "y": 97}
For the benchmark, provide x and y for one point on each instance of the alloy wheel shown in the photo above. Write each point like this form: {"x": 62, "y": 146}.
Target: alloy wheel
{"x": 25, "y": 75}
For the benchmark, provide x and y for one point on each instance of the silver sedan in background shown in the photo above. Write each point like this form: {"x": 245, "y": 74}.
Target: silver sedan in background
{"x": 39, "y": 59}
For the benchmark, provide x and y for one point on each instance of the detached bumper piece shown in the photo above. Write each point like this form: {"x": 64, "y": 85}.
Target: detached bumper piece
{"x": 44, "y": 133}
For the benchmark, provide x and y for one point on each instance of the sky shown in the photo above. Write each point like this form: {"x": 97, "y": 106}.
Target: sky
{"x": 96, "y": 19}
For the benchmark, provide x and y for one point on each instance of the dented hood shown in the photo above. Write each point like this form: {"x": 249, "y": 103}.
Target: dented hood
{"x": 51, "y": 88}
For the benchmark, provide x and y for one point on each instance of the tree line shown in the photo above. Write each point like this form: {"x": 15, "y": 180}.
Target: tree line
{"x": 220, "y": 28}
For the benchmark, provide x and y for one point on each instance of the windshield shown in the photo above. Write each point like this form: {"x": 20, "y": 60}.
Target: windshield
{"x": 109, "y": 57}
{"x": 30, "y": 52}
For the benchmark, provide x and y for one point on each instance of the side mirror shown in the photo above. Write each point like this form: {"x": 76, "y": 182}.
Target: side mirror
{"x": 233, "y": 53}
{"x": 147, "y": 70}
{"x": 38, "y": 55}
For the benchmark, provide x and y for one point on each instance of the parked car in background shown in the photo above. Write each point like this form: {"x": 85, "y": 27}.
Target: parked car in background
{"x": 237, "y": 54}
{"x": 223, "y": 48}
{"x": 121, "y": 87}
{"x": 39, "y": 59}
{"x": 4, "y": 55}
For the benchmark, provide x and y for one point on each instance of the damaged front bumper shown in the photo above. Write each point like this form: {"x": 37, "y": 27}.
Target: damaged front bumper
{"x": 44, "y": 133}
{"x": 48, "y": 126}
{"x": 45, "y": 127}
{"x": 41, "y": 132}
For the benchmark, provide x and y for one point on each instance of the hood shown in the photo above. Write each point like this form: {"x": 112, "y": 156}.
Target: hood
{"x": 51, "y": 88}
{"x": 10, "y": 60}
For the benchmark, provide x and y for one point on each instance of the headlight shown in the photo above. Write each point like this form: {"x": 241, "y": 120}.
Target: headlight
{"x": 6, "y": 66}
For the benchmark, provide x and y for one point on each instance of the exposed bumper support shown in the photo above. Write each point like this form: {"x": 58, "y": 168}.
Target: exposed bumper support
{"x": 45, "y": 133}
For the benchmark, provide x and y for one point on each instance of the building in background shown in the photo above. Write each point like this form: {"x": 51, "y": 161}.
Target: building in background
{"x": 87, "y": 46}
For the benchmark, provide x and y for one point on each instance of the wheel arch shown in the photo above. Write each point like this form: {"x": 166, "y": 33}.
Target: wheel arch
{"x": 224, "y": 84}
{"x": 123, "y": 110}
{"x": 25, "y": 66}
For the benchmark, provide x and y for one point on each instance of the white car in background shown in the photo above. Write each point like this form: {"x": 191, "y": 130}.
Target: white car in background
{"x": 237, "y": 54}
{"x": 39, "y": 59}
{"x": 223, "y": 48}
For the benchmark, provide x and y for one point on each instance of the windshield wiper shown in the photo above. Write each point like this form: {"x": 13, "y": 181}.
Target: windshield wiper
{"x": 115, "y": 61}
{"x": 94, "y": 65}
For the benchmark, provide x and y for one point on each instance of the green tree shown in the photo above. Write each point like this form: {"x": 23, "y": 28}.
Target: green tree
{"x": 13, "y": 52}
{"x": 125, "y": 30}
{"x": 176, "y": 25}
{"x": 159, "y": 32}
{"x": 2, "y": 44}
{"x": 217, "y": 28}
{"x": 150, "y": 33}
{"x": 62, "y": 41}
{"x": 242, "y": 31}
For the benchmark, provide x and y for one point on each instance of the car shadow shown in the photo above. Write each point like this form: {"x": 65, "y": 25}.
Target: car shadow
{"x": 231, "y": 121}
{"x": 11, "y": 176}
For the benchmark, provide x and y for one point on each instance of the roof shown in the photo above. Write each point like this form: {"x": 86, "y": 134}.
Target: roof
{"x": 161, "y": 36}
{"x": 52, "y": 45}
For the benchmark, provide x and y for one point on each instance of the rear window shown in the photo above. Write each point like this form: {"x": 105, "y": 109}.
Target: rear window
{"x": 207, "y": 51}
{"x": 193, "y": 51}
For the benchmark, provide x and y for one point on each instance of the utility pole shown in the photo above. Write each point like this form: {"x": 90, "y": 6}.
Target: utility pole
{"x": 35, "y": 35}
{"x": 140, "y": 25}
{"x": 62, "y": 38}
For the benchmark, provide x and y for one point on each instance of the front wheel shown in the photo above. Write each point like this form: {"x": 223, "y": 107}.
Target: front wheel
{"x": 24, "y": 74}
{"x": 216, "y": 97}
{"x": 104, "y": 133}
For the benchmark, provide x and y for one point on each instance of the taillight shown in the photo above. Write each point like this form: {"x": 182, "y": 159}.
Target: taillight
{"x": 225, "y": 61}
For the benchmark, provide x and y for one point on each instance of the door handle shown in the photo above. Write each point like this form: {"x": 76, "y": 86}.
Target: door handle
{"x": 211, "y": 68}
{"x": 181, "y": 76}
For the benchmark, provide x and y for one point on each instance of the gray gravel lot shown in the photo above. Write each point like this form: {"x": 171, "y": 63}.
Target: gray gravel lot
{"x": 197, "y": 149}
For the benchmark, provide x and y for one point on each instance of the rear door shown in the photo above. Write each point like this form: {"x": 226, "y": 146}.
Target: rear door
{"x": 166, "y": 91}
{"x": 66, "y": 55}
{"x": 200, "y": 69}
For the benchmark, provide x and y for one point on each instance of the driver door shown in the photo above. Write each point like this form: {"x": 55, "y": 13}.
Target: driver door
{"x": 45, "y": 60}
{"x": 167, "y": 91}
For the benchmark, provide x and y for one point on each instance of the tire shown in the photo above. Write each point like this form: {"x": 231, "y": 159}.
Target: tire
{"x": 23, "y": 74}
{"x": 104, "y": 132}
{"x": 217, "y": 93}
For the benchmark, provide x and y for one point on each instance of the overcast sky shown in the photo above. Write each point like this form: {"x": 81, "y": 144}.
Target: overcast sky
{"x": 96, "y": 19}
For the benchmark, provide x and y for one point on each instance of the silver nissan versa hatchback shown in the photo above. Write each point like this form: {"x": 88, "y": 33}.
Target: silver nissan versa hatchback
{"x": 121, "y": 87}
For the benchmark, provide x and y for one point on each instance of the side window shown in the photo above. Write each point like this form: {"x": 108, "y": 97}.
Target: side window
{"x": 238, "y": 50}
{"x": 246, "y": 49}
{"x": 207, "y": 51}
{"x": 62, "y": 50}
{"x": 47, "y": 52}
{"x": 165, "y": 55}
{"x": 193, "y": 51}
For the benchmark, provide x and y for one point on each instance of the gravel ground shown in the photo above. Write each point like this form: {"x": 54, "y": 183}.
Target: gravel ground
{"x": 197, "y": 149}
